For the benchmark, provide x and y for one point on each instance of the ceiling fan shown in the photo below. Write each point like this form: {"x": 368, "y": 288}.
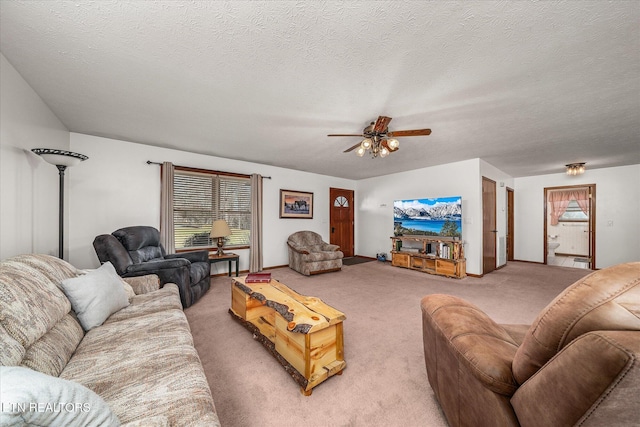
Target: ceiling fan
{"x": 378, "y": 139}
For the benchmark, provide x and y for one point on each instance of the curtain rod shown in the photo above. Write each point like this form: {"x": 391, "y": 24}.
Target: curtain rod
{"x": 149, "y": 162}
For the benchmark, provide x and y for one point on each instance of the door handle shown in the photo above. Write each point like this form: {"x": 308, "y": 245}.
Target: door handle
{"x": 494, "y": 231}
{"x": 333, "y": 229}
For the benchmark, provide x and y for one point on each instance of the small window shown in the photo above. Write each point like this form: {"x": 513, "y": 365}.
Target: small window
{"x": 341, "y": 202}
{"x": 573, "y": 213}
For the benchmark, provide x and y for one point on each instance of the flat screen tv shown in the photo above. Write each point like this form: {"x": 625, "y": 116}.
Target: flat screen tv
{"x": 440, "y": 216}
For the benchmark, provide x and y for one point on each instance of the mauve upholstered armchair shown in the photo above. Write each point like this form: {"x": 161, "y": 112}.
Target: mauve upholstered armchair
{"x": 136, "y": 251}
{"x": 577, "y": 364}
{"x": 309, "y": 254}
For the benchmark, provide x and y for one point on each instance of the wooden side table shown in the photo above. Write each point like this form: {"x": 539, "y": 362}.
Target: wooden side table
{"x": 227, "y": 256}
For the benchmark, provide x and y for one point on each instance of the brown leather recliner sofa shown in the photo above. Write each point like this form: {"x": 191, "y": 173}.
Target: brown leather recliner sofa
{"x": 577, "y": 364}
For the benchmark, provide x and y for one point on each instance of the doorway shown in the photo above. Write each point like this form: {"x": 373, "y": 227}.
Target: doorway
{"x": 510, "y": 224}
{"x": 489, "y": 231}
{"x": 569, "y": 226}
{"x": 341, "y": 220}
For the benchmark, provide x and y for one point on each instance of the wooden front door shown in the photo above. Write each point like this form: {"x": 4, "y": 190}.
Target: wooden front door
{"x": 489, "y": 230}
{"x": 341, "y": 219}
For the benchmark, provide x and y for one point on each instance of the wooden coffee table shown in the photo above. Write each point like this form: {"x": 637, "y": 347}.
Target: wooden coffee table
{"x": 303, "y": 333}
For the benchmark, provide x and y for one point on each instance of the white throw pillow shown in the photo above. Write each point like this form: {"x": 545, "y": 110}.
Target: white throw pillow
{"x": 96, "y": 295}
{"x": 127, "y": 287}
{"x": 32, "y": 398}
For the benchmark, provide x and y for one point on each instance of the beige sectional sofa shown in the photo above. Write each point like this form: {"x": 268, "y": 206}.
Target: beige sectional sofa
{"x": 61, "y": 366}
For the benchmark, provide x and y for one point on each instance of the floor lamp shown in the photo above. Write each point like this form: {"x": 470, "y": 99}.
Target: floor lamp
{"x": 62, "y": 160}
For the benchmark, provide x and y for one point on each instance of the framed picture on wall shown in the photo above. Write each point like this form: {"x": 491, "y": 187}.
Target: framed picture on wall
{"x": 296, "y": 204}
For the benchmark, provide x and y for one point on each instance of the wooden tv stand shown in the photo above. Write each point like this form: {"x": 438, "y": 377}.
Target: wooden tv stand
{"x": 430, "y": 254}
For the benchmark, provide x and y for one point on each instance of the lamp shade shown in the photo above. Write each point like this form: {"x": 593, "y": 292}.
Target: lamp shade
{"x": 220, "y": 228}
{"x": 59, "y": 157}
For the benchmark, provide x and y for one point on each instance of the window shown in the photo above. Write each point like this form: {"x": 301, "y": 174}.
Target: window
{"x": 573, "y": 213}
{"x": 341, "y": 202}
{"x": 202, "y": 197}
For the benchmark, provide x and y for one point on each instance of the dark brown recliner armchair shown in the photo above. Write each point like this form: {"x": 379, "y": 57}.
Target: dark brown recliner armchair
{"x": 136, "y": 251}
{"x": 578, "y": 364}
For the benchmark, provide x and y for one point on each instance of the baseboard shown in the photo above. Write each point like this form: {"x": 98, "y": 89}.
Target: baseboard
{"x": 275, "y": 266}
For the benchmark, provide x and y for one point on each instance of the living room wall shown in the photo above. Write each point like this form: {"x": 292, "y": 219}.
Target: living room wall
{"x": 375, "y": 198}
{"x": 28, "y": 185}
{"x": 617, "y": 213}
{"x": 116, "y": 188}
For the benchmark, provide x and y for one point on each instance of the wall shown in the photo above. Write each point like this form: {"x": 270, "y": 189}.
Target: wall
{"x": 617, "y": 213}
{"x": 116, "y": 188}
{"x": 28, "y": 185}
{"x": 572, "y": 237}
{"x": 375, "y": 198}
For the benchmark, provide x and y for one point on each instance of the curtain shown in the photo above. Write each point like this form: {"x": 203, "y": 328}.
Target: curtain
{"x": 167, "y": 238}
{"x": 255, "y": 254}
{"x": 559, "y": 200}
{"x": 582, "y": 197}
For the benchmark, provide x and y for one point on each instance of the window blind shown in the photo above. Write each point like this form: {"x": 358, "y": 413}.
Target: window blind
{"x": 200, "y": 198}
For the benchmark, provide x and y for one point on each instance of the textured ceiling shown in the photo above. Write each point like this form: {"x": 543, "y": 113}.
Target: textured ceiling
{"x": 527, "y": 86}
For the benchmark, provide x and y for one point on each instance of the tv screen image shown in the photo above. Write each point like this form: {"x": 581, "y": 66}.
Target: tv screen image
{"x": 440, "y": 216}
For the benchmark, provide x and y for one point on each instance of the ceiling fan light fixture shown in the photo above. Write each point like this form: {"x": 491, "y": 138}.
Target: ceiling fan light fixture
{"x": 377, "y": 140}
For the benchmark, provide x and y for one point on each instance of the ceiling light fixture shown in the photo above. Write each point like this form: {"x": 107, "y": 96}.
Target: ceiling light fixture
{"x": 575, "y": 168}
{"x": 377, "y": 146}
{"x": 378, "y": 140}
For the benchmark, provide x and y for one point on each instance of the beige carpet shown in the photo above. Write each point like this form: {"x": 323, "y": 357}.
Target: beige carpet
{"x": 385, "y": 381}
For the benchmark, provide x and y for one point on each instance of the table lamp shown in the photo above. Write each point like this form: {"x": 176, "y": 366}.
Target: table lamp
{"x": 220, "y": 230}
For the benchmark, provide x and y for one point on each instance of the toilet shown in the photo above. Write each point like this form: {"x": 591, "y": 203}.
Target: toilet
{"x": 552, "y": 246}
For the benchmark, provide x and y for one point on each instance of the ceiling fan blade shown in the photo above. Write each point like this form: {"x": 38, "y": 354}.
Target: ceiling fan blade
{"x": 381, "y": 124}
{"x": 352, "y": 148}
{"x": 416, "y": 132}
{"x": 346, "y": 134}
